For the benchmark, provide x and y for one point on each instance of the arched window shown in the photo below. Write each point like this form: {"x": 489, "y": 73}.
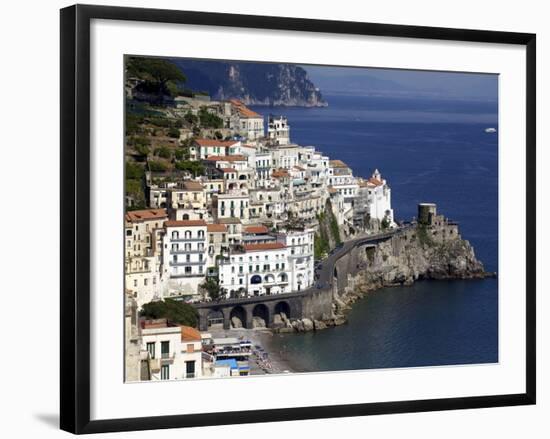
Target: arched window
{"x": 175, "y": 235}
{"x": 201, "y": 233}
{"x": 187, "y": 234}
{"x": 256, "y": 279}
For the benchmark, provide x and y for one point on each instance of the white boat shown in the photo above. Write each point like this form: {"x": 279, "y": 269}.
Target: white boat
{"x": 490, "y": 130}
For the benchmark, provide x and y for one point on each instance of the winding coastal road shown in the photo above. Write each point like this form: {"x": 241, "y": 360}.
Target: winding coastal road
{"x": 326, "y": 273}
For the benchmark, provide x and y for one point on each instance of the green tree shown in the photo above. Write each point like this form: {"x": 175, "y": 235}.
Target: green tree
{"x": 156, "y": 71}
{"x": 173, "y": 310}
{"x": 174, "y": 133}
{"x": 212, "y": 288}
{"x": 156, "y": 166}
{"x": 181, "y": 154}
{"x": 209, "y": 120}
{"x": 190, "y": 118}
{"x": 163, "y": 152}
{"x": 196, "y": 168}
{"x": 134, "y": 171}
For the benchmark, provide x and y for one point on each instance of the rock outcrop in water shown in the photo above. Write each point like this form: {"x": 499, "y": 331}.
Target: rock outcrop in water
{"x": 434, "y": 251}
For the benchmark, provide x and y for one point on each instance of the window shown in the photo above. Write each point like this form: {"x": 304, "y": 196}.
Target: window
{"x": 151, "y": 349}
{"x": 135, "y": 282}
{"x": 145, "y": 281}
{"x": 189, "y": 369}
{"x": 165, "y": 349}
{"x": 165, "y": 372}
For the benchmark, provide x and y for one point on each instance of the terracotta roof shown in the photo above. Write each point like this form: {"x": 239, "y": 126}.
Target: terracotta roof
{"x": 213, "y": 142}
{"x": 248, "y": 113}
{"x": 332, "y": 190}
{"x": 244, "y": 110}
{"x": 264, "y": 246}
{"x": 216, "y": 228}
{"x": 155, "y": 323}
{"x": 338, "y": 164}
{"x": 256, "y": 229}
{"x": 375, "y": 182}
{"x": 192, "y": 185}
{"x": 185, "y": 223}
{"x": 190, "y": 334}
{"x": 299, "y": 168}
{"x": 228, "y": 170}
{"x": 226, "y": 158}
{"x": 280, "y": 173}
{"x": 147, "y": 214}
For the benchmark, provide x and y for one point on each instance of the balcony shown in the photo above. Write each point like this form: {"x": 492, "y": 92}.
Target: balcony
{"x": 183, "y": 252}
{"x": 188, "y": 239}
{"x": 184, "y": 263}
{"x": 167, "y": 357}
{"x": 186, "y": 275}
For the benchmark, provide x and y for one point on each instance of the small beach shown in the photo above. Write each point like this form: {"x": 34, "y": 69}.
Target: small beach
{"x": 276, "y": 363}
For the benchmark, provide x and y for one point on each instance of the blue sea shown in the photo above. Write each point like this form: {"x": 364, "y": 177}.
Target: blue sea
{"x": 430, "y": 150}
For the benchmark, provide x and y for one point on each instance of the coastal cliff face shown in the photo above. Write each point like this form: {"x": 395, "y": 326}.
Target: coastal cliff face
{"x": 421, "y": 253}
{"x": 252, "y": 83}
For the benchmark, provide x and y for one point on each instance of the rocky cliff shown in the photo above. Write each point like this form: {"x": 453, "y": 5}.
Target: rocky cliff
{"x": 252, "y": 83}
{"x": 421, "y": 253}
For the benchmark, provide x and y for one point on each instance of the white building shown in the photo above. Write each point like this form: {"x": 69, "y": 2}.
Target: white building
{"x": 285, "y": 156}
{"x": 341, "y": 178}
{"x": 143, "y": 254}
{"x": 174, "y": 352}
{"x": 256, "y": 270}
{"x": 379, "y": 198}
{"x": 278, "y": 130}
{"x": 263, "y": 167}
{"x": 231, "y": 205}
{"x": 248, "y": 123}
{"x": 300, "y": 257}
{"x": 184, "y": 256}
{"x": 204, "y": 148}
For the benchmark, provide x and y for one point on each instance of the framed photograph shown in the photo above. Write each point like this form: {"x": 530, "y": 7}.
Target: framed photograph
{"x": 268, "y": 218}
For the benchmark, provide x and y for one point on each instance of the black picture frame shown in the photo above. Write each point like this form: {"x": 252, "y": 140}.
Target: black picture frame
{"x": 75, "y": 217}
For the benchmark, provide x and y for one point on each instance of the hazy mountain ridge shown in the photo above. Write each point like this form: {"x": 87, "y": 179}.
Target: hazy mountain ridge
{"x": 253, "y": 83}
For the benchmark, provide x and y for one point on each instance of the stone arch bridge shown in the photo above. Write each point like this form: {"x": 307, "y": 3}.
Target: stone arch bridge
{"x": 264, "y": 307}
